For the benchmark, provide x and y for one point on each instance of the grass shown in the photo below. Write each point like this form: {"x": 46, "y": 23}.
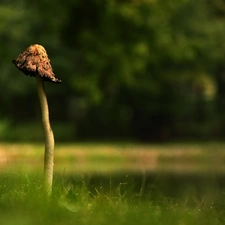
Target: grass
{"x": 109, "y": 196}
{"x": 102, "y": 158}
{"x": 22, "y": 202}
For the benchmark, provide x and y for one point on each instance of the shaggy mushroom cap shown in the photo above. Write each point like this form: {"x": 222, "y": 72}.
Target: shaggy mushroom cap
{"x": 34, "y": 62}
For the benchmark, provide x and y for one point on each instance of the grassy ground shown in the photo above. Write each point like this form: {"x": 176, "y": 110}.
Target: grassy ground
{"x": 108, "y": 184}
{"x": 77, "y": 158}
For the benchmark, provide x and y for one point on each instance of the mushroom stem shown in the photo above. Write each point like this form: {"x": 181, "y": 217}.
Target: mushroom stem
{"x": 49, "y": 137}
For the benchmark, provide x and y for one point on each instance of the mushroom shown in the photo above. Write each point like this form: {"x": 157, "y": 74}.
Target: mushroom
{"x": 34, "y": 62}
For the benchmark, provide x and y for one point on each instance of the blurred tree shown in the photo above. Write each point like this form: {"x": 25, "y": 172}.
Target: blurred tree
{"x": 133, "y": 69}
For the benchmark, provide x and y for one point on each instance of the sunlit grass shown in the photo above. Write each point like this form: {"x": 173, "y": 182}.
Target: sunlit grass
{"x": 104, "y": 158}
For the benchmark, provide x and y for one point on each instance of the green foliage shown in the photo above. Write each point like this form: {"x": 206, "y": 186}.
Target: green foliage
{"x": 4, "y": 128}
{"x": 142, "y": 60}
{"x": 33, "y": 131}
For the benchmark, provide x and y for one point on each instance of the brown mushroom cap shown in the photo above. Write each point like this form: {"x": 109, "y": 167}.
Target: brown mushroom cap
{"x": 34, "y": 62}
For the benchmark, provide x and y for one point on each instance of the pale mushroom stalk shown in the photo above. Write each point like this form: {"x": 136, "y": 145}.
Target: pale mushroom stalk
{"x": 34, "y": 62}
{"x": 49, "y": 137}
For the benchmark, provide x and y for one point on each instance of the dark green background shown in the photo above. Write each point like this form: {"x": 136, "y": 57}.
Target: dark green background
{"x": 144, "y": 70}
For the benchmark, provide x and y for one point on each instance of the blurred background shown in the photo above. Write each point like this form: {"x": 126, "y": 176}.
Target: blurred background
{"x": 140, "y": 70}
